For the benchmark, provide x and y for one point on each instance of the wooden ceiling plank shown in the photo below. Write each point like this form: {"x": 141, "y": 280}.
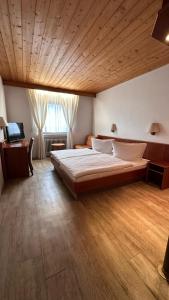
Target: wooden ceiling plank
{"x": 5, "y": 28}
{"x": 130, "y": 21}
{"x": 116, "y": 17}
{"x": 140, "y": 61}
{"x": 143, "y": 54}
{"x": 121, "y": 60}
{"x": 49, "y": 39}
{"x": 126, "y": 72}
{"x": 41, "y": 14}
{"x": 137, "y": 60}
{"x": 101, "y": 22}
{"x": 76, "y": 61}
{"x": 28, "y": 20}
{"x": 5, "y": 71}
{"x": 28, "y": 85}
{"x": 84, "y": 26}
{"x": 64, "y": 35}
{"x": 16, "y": 28}
{"x": 85, "y": 45}
{"x": 123, "y": 42}
{"x": 151, "y": 65}
{"x": 68, "y": 30}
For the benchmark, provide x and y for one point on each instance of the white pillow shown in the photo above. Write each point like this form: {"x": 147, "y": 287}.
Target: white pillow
{"x": 128, "y": 151}
{"x": 104, "y": 146}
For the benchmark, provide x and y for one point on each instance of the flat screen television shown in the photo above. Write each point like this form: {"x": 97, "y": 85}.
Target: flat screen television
{"x": 15, "y": 132}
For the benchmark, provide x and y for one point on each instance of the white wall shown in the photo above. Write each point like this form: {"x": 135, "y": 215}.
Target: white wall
{"x": 18, "y": 108}
{"x": 84, "y": 123}
{"x": 18, "y": 111}
{"x": 134, "y": 105}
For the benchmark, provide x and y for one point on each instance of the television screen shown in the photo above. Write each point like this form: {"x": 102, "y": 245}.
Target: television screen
{"x": 15, "y": 132}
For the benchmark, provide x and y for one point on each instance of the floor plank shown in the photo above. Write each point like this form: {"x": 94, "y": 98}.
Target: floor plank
{"x": 106, "y": 246}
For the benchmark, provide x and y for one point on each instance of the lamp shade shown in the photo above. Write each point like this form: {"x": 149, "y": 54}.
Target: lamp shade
{"x": 155, "y": 128}
{"x": 2, "y": 122}
{"x": 113, "y": 127}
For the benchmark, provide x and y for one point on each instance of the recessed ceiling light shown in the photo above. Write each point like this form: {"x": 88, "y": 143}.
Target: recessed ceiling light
{"x": 167, "y": 38}
{"x": 161, "y": 28}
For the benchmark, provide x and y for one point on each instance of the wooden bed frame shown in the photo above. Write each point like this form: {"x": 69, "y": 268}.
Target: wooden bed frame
{"x": 154, "y": 151}
{"x": 77, "y": 188}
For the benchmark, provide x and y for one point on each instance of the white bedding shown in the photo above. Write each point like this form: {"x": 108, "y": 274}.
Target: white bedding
{"x": 86, "y": 164}
{"x": 80, "y": 166}
{"x": 136, "y": 165}
{"x": 68, "y": 153}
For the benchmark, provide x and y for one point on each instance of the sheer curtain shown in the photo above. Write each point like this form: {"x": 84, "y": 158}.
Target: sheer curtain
{"x": 55, "y": 120}
{"x": 48, "y": 110}
{"x": 38, "y": 105}
{"x": 70, "y": 105}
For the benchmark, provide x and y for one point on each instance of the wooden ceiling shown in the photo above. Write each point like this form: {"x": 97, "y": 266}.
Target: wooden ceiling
{"x": 84, "y": 45}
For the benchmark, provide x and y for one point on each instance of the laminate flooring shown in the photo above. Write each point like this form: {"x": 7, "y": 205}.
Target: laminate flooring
{"x": 105, "y": 246}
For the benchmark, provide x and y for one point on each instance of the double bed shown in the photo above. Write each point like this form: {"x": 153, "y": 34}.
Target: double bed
{"x": 83, "y": 170}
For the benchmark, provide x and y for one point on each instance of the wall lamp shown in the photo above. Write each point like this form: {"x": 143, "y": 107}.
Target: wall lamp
{"x": 161, "y": 28}
{"x": 113, "y": 127}
{"x": 154, "y": 128}
{"x": 3, "y": 123}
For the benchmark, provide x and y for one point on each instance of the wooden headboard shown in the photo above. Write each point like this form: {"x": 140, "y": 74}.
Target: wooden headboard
{"x": 154, "y": 151}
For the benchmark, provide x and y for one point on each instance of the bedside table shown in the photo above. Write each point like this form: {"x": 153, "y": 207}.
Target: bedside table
{"x": 158, "y": 173}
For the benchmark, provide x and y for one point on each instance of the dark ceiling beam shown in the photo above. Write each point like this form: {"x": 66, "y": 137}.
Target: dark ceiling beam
{"x": 47, "y": 88}
{"x": 161, "y": 27}
{"x": 165, "y": 2}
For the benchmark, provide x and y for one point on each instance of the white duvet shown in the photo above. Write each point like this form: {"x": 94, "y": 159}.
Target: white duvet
{"x": 91, "y": 164}
{"x": 68, "y": 153}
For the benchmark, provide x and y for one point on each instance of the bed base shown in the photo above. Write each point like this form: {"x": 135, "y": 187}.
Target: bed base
{"x": 77, "y": 188}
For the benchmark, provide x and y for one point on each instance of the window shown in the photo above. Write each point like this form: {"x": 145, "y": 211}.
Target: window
{"x": 55, "y": 120}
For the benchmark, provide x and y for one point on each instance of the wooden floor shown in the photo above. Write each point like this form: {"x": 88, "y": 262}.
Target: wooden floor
{"x": 105, "y": 246}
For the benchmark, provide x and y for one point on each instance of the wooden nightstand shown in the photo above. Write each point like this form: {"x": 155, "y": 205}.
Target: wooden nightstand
{"x": 158, "y": 173}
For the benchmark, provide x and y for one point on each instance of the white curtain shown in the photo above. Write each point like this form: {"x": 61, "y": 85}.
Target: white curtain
{"x": 39, "y": 101}
{"x": 38, "y": 105}
{"x": 70, "y": 105}
{"x": 55, "y": 113}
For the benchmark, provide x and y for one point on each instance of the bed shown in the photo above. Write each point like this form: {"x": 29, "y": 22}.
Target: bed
{"x": 83, "y": 170}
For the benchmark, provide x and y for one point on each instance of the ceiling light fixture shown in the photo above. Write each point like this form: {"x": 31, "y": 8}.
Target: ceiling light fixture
{"x": 161, "y": 28}
{"x": 167, "y": 38}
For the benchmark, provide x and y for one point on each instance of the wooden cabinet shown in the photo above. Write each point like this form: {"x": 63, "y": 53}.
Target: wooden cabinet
{"x": 158, "y": 173}
{"x": 15, "y": 160}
